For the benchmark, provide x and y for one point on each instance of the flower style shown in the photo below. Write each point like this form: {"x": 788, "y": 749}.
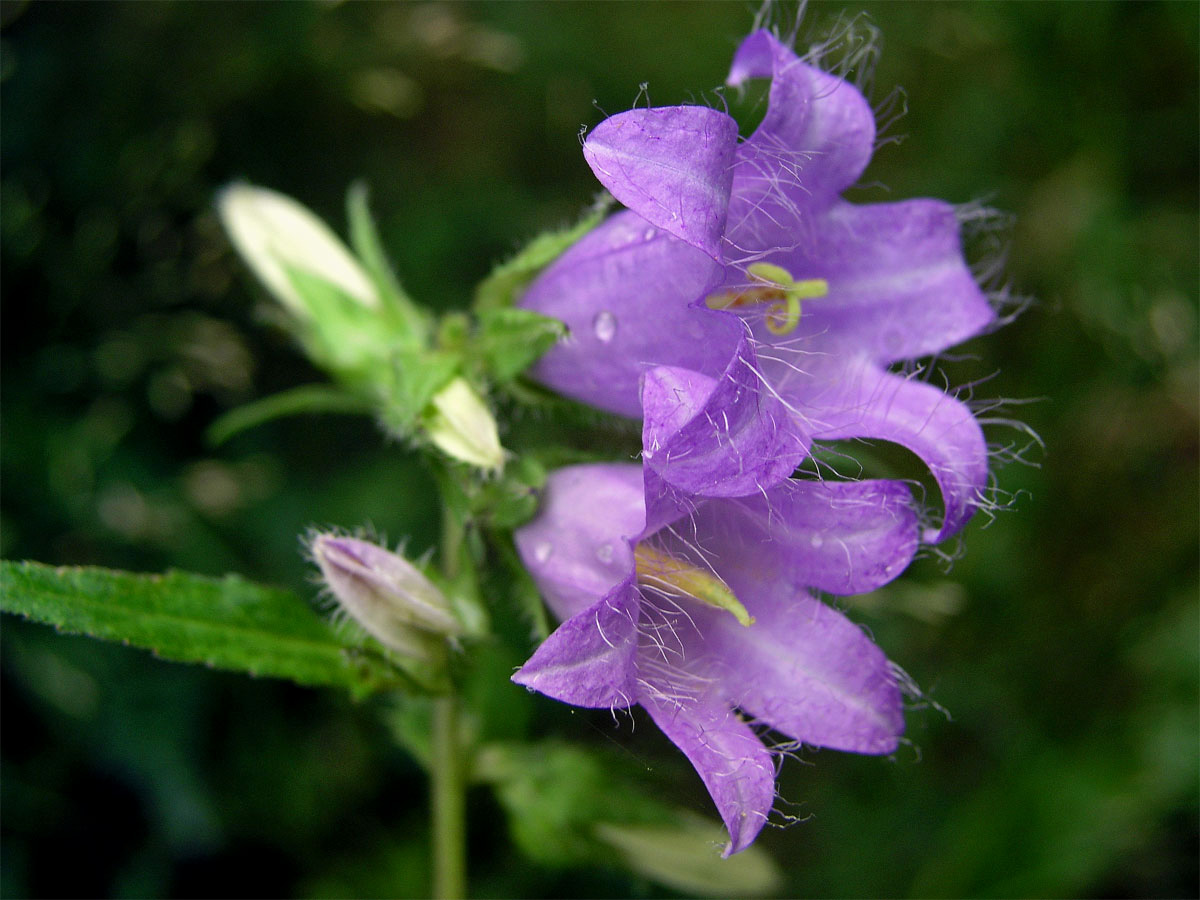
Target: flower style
{"x": 693, "y": 613}
{"x": 740, "y": 263}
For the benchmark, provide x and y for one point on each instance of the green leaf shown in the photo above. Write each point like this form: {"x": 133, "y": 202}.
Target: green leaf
{"x": 568, "y": 806}
{"x": 510, "y": 340}
{"x": 309, "y": 398}
{"x": 554, "y": 794}
{"x": 500, "y": 288}
{"x": 227, "y": 623}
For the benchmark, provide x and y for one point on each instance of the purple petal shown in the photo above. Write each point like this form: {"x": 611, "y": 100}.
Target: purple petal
{"x": 806, "y": 670}
{"x": 841, "y": 537}
{"x": 729, "y": 757}
{"x": 624, "y": 292}
{"x": 670, "y": 165}
{"x": 665, "y": 503}
{"x": 591, "y": 659}
{"x": 718, "y": 437}
{"x": 862, "y": 401}
{"x": 578, "y": 548}
{"x": 899, "y": 286}
{"x": 815, "y": 141}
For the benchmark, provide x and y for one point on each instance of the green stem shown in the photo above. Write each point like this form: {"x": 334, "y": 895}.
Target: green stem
{"x": 449, "y": 803}
{"x": 448, "y": 788}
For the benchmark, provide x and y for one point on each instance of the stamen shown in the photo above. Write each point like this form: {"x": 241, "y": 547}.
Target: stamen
{"x": 775, "y": 285}
{"x": 676, "y": 578}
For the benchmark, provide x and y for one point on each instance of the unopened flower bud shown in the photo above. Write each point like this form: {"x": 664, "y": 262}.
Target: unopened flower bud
{"x": 386, "y": 594}
{"x": 274, "y": 233}
{"x": 460, "y": 425}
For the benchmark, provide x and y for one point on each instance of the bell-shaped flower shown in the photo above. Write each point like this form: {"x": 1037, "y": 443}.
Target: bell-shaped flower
{"x": 740, "y": 261}
{"x": 698, "y": 607}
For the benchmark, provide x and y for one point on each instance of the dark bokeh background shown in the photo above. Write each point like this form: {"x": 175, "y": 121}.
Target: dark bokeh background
{"x": 1063, "y": 643}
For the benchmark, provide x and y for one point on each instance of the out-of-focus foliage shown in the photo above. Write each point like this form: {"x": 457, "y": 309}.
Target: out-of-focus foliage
{"x": 1065, "y": 648}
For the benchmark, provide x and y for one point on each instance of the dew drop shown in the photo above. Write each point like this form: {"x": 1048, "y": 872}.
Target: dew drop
{"x": 604, "y": 326}
{"x": 649, "y": 234}
{"x": 542, "y": 551}
{"x": 816, "y": 541}
{"x": 604, "y": 553}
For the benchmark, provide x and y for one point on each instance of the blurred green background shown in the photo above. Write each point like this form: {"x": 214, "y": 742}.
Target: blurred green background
{"x": 1063, "y": 644}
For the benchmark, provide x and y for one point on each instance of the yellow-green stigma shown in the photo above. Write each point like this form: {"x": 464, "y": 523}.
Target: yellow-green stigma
{"x": 674, "y": 577}
{"x": 775, "y": 285}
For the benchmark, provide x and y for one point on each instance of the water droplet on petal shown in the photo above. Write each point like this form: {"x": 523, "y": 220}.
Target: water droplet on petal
{"x": 817, "y": 541}
{"x": 542, "y": 551}
{"x": 604, "y": 326}
{"x": 650, "y": 233}
{"x": 604, "y": 553}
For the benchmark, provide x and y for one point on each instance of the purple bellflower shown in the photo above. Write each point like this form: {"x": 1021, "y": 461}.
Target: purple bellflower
{"x": 696, "y": 613}
{"x": 772, "y": 307}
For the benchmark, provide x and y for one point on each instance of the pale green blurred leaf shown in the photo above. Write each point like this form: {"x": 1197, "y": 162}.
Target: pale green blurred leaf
{"x": 687, "y": 857}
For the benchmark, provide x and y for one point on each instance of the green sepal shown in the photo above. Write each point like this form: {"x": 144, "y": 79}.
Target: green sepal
{"x": 500, "y": 288}
{"x": 510, "y": 340}
{"x": 413, "y": 327}
{"x": 341, "y": 334}
{"x": 511, "y": 500}
{"x": 464, "y": 554}
{"x": 453, "y": 332}
{"x": 521, "y": 588}
{"x": 308, "y": 398}
{"x": 463, "y": 593}
{"x": 225, "y": 623}
{"x": 414, "y": 377}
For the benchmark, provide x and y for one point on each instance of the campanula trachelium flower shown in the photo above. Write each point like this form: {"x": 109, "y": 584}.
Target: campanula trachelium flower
{"x": 738, "y": 260}
{"x": 697, "y": 614}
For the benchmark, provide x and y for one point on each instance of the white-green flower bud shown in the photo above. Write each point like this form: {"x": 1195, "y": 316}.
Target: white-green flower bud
{"x": 460, "y": 425}
{"x": 385, "y": 594}
{"x": 273, "y": 233}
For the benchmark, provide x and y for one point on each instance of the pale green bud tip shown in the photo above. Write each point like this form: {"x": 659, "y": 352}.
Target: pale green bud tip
{"x": 385, "y": 593}
{"x": 273, "y": 233}
{"x": 460, "y": 425}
